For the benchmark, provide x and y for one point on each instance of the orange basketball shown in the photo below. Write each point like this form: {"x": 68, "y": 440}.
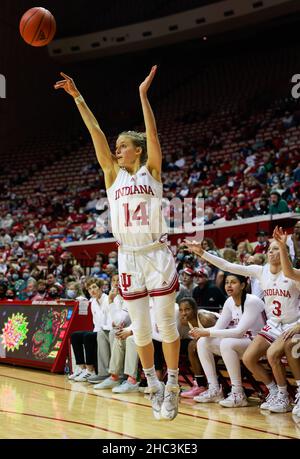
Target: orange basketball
{"x": 37, "y": 26}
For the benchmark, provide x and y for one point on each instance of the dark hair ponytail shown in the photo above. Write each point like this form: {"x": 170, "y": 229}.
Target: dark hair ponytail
{"x": 244, "y": 295}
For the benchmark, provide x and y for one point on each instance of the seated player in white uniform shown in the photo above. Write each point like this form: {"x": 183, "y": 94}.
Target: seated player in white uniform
{"x": 146, "y": 265}
{"x": 291, "y": 340}
{"x": 282, "y": 309}
{"x": 241, "y": 319}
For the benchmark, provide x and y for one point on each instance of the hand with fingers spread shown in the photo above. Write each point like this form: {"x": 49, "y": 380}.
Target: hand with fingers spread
{"x": 147, "y": 82}
{"x": 194, "y": 247}
{"x": 291, "y": 332}
{"x": 280, "y": 236}
{"x": 68, "y": 85}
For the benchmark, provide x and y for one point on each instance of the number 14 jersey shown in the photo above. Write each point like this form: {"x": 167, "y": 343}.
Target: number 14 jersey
{"x": 135, "y": 208}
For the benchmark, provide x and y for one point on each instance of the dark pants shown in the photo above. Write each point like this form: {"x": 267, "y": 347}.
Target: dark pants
{"x": 84, "y": 345}
{"x": 159, "y": 359}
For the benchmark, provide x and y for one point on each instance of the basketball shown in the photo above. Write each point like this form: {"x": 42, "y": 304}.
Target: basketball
{"x": 37, "y": 26}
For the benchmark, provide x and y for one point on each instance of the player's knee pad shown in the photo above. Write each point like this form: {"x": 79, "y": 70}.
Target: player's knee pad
{"x": 142, "y": 335}
{"x": 140, "y": 321}
{"x": 165, "y": 317}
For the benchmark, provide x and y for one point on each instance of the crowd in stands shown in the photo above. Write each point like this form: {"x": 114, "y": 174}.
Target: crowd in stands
{"x": 260, "y": 175}
{"x": 36, "y": 268}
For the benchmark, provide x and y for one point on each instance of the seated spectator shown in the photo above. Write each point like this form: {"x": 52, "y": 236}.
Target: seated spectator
{"x": 262, "y": 243}
{"x": 228, "y": 255}
{"x": 30, "y": 291}
{"x": 74, "y": 291}
{"x": 207, "y": 295}
{"x": 77, "y": 272}
{"x": 117, "y": 317}
{"x": 209, "y": 246}
{"x": 210, "y": 216}
{"x": 10, "y": 294}
{"x": 277, "y": 205}
{"x": 293, "y": 242}
{"x": 123, "y": 365}
{"x": 96, "y": 270}
{"x": 263, "y": 207}
{"x": 3, "y": 266}
{"x": 41, "y": 291}
{"x": 243, "y": 248}
{"x": 51, "y": 281}
{"x": 84, "y": 343}
{"x": 113, "y": 258}
{"x": 187, "y": 284}
{"x": 229, "y": 244}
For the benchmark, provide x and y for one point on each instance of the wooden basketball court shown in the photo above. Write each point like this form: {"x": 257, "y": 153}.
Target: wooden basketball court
{"x": 36, "y": 404}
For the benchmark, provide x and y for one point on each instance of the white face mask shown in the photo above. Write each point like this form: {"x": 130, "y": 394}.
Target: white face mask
{"x": 71, "y": 294}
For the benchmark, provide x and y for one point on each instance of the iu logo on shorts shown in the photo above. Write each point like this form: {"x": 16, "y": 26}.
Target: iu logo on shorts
{"x": 125, "y": 281}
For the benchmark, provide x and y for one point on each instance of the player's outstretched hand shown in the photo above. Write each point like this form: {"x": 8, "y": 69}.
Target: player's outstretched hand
{"x": 291, "y": 332}
{"x": 68, "y": 85}
{"x": 280, "y": 236}
{"x": 194, "y": 247}
{"x": 197, "y": 333}
{"x": 148, "y": 80}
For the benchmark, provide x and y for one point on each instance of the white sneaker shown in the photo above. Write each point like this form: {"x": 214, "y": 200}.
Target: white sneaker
{"x": 76, "y": 373}
{"x": 211, "y": 395}
{"x": 108, "y": 383}
{"x": 281, "y": 404}
{"x": 84, "y": 375}
{"x": 296, "y": 409}
{"x": 234, "y": 400}
{"x": 169, "y": 408}
{"x": 157, "y": 397}
{"x": 271, "y": 397}
{"x": 126, "y": 387}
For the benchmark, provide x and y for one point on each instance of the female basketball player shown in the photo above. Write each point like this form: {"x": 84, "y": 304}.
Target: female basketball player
{"x": 292, "y": 349}
{"x": 146, "y": 265}
{"x": 241, "y": 319}
{"x": 282, "y": 310}
{"x": 190, "y": 316}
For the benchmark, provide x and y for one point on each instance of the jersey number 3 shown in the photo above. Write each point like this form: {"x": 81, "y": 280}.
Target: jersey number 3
{"x": 277, "y": 310}
{"x": 140, "y": 214}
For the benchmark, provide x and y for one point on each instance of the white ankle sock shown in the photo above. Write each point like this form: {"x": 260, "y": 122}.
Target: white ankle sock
{"x": 151, "y": 376}
{"x": 283, "y": 390}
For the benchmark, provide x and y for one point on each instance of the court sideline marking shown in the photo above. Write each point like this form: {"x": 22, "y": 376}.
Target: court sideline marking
{"x": 148, "y": 406}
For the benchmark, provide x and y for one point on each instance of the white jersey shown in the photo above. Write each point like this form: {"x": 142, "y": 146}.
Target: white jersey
{"x": 233, "y": 323}
{"x": 281, "y": 294}
{"x": 135, "y": 207}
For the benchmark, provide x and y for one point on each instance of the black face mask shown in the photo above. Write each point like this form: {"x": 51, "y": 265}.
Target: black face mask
{"x": 53, "y": 294}
{"x": 41, "y": 291}
{"x": 10, "y": 297}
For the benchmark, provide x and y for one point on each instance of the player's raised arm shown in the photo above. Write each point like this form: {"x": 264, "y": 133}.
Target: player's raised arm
{"x": 286, "y": 264}
{"x": 153, "y": 146}
{"x": 251, "y": 270}
{"x": 105, "y": 158}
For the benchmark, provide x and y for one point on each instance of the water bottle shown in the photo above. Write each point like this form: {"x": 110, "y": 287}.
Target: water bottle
{"x": 67, "y": 367}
